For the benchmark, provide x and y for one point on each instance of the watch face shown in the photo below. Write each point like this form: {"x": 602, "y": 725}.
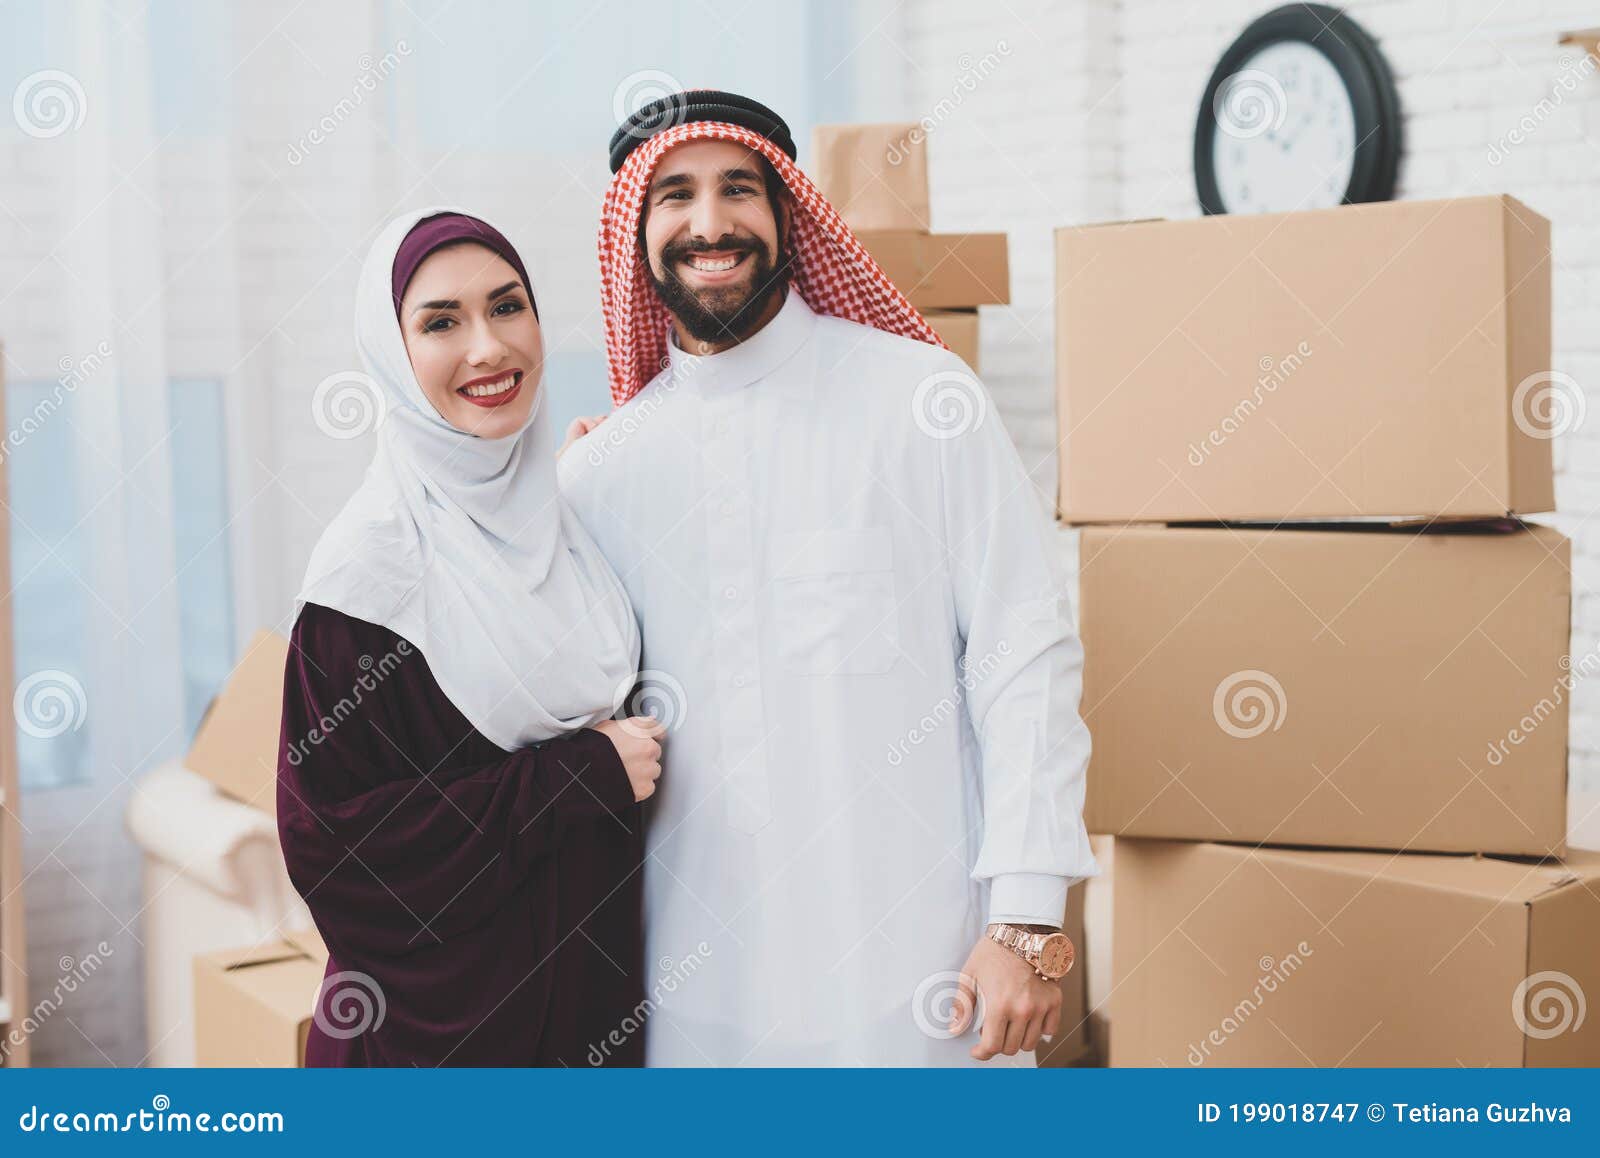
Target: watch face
{"x": 1286, "y": 132}
{"x": 1056, "y": 955}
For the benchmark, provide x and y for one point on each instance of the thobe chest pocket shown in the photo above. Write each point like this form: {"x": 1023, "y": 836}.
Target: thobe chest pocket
{"x": 834, "y": 601}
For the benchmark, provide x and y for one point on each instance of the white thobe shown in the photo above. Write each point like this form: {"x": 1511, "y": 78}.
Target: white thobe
{"x": 855, "y": 623}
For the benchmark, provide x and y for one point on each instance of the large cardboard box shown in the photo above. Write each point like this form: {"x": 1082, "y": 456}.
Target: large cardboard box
{"x": 959, "y": 329}
{"x": 1382, "y": 359}
{"x": 254, "y": 1006}
{"x": 1359, "y": 687}
{"x": 1227, "y": 955}
{"x": 943, "y": 271}
{"x": 876, "y": 176}
{"x": 236, "y": 746}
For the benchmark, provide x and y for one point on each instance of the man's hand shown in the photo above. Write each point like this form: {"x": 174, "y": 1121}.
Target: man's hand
{"x": 577, "y": 428}
{"x": 1018, "y": 1004}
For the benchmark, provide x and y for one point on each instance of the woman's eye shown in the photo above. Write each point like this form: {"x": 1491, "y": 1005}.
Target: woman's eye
{"x": 508, "y": 307}
{"x": 438, "y": 325}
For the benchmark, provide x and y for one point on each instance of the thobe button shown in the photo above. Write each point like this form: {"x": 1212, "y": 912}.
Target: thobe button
{"x": 727, "y": 510}
{"x": 730, "y": 593}
{"x": 720, "y": 426}
{"x": 739, "y": 681}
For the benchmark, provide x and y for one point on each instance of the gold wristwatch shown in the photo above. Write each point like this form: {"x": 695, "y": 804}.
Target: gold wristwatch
{"x": 1050, "y": 953}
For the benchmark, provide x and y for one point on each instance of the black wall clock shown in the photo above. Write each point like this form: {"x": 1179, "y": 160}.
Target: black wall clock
{"x": 1300, "y": 113}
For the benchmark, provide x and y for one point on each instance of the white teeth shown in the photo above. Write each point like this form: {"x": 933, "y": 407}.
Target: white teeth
{"x": 709, "y": 266}
{"x": 498, "y": 386}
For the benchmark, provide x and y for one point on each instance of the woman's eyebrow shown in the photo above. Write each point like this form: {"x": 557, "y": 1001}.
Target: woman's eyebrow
{"x": 437, "y": 304}
{"x": 503, "y": 290}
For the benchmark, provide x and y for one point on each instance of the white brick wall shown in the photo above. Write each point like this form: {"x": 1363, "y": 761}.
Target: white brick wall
{"x": 1468, "y": 72}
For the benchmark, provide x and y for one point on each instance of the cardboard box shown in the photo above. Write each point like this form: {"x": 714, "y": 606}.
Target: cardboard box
{"x": 1382, "y": 359}
{"x": 876, "y": 176}
{"x": 236, "y": 746}
{"x": 1227, "y": 955}
{"x": 941, "y": 271}
{"x": 1359, "y": 687}
{"x": 959, "y": 329}
{"x": 254, "y": 1006}
{"x": 1073, "y": 1043}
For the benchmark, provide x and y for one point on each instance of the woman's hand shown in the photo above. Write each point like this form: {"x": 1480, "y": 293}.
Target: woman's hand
{"x": 578, "y": 428}
{"x": 636, "y": 742}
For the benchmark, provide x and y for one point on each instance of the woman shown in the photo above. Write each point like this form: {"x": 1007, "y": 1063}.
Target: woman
{"x": 453, "y": 803}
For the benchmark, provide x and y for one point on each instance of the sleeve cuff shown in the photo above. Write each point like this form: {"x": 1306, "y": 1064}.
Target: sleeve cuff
{"x": 604, "y": 775}
{"x": 1029, "y": 898}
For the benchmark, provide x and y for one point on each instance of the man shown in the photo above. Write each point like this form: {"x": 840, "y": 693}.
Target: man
{"x": 853, "y": 622}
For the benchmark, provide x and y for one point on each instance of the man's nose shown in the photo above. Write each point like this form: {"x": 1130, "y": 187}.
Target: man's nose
{"x": 710, "y": 220}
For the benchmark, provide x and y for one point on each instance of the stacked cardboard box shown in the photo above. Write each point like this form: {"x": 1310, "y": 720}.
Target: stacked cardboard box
{"x": 1314, "y": 623}
{"x": 876, "y": 176}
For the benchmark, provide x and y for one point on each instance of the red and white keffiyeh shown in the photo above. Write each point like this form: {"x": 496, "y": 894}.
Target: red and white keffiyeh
{"x": 830, "y": 269}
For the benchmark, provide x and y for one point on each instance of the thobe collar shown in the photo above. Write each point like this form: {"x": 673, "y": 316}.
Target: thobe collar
{"x": 752, "y": 359}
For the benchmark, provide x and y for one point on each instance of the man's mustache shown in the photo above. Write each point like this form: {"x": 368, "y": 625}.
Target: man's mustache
{"x": 676, "y": 250}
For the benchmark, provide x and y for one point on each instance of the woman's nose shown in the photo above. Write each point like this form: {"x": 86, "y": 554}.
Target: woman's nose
{"x": 485, "y": 349}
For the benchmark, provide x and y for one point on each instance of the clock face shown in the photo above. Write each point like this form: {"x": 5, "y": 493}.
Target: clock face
{"x": 1285, "y": 134}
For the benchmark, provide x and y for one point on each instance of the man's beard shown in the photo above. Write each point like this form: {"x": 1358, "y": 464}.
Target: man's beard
{"x": 721, "y": 314}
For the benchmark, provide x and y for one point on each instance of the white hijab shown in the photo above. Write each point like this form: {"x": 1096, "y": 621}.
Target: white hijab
{"x": 463, "y": 547}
